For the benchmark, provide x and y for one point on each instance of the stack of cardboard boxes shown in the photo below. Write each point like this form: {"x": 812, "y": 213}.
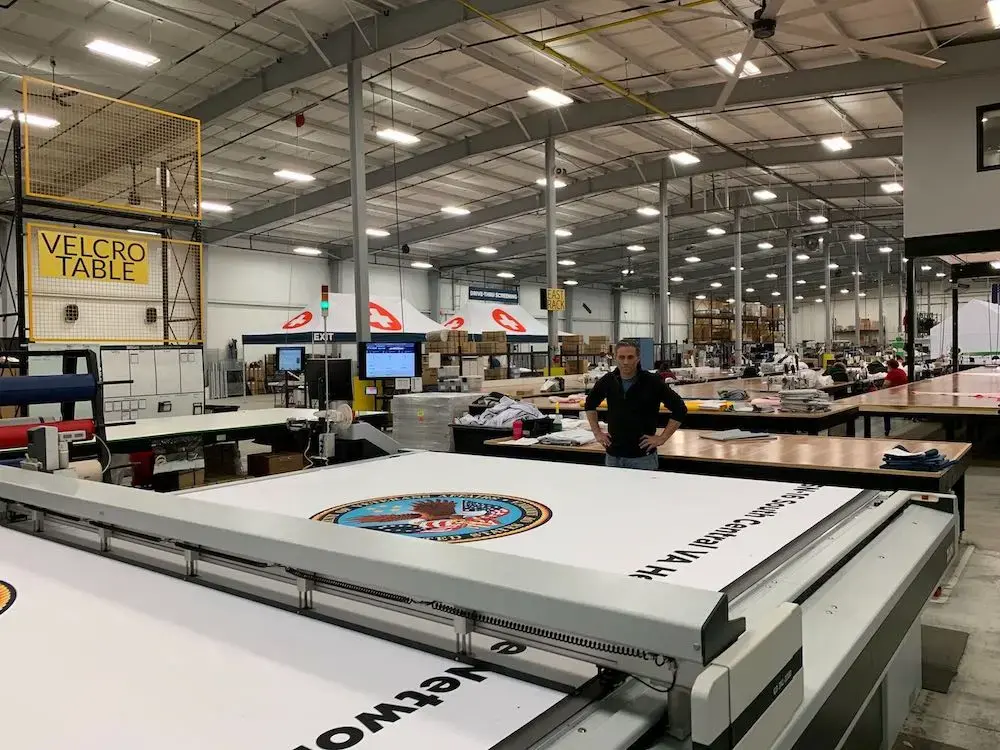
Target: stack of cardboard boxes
{"x": 447, "y": 342}
{"x": 573, "y": 346}
{"x": 597, "y": 345}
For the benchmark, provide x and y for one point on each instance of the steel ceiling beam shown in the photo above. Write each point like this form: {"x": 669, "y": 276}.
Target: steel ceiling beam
{"x": 646, "y": 172}
{"x": 352, "y": 41}
{"x": 711, "y": 204}
{"x": 962, "y": 60}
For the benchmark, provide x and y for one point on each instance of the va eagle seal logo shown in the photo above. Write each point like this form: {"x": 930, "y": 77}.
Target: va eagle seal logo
{"x": 443, "y": 517}
{"x": 7, "y": 596}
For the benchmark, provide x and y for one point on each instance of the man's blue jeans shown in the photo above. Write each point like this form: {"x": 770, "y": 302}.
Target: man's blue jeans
{"x": 649, "y": 462}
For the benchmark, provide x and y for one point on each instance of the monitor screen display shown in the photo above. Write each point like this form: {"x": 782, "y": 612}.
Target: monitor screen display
{"x": 290, "y": 358}
{"x": 341, "y": 382}
{"x": 381, "y": 361}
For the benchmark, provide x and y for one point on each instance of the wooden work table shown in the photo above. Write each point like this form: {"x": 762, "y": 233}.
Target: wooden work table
{"x": 785, "y": 422}
{"x": 950, "y": 399}
{"x": 755, "y": 388}
{"x": 838, "y": 461}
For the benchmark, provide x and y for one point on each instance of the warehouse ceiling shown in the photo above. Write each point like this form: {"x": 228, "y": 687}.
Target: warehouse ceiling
{"x": 268, "y": 80}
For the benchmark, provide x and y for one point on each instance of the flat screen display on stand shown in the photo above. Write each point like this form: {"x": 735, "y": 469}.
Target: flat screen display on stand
{"x": 341, "y": 381}
{"x": 377, "y": 361}
{"x": 290, "y": 358}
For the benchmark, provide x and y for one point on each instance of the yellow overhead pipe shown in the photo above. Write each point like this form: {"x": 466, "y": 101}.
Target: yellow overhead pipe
{"x": 622, "y": 22}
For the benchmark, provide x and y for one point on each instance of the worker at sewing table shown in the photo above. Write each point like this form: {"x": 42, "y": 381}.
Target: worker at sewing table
{"x": 633, "y": 399}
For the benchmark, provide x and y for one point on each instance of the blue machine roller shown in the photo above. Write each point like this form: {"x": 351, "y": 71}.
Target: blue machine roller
{"x": 46, "y": 389}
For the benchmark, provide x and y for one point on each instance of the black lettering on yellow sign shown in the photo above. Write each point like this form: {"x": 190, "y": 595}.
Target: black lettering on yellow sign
{"x": 93, "y": 257}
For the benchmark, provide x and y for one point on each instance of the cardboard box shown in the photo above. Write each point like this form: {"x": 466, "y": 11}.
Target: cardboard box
{"x": 266, "y": 464}
{"x": 429, "y": 376}
{"x": 496, "y": 373}
{"x": 575, "y": 366}
{"x": 470, "y": 347}
{"x": 188, "y": 479}
{"x": 223, "y": 460}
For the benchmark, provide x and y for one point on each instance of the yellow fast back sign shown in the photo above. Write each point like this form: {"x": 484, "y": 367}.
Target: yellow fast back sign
{"x": 85, "y": 256}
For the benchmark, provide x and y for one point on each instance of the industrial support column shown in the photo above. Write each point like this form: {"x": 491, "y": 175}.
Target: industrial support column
{"x": 881, "y": 312}
{"x": 738, "y": 286}
{"x": 738, "y": 283}
{"x": 568, "y": 312}
{"x": 551, "y": 267}
{"x": 434, "y": 295}
{"x": 899, "y": 297}
{"x": 359, "y": 213}
{"x": 616, "y": 313}
{"x": 857, "y": 300}
{"x": 828, "y": 327}
{"x": 954, "y": 324}
{"x": 664, "y": 266}
{"x": 789, "y": 292}
{"x": 910, "y": 323}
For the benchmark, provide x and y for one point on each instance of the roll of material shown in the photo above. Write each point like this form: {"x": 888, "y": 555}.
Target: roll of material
{"x": 16, "y": 436}
{"x": 46, "y": 389}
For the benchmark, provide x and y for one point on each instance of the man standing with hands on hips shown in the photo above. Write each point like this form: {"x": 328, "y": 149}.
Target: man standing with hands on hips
{"x": 634, "y": 397}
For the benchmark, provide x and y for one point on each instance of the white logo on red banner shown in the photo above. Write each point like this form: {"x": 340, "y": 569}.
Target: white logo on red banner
{"x": 303, "y": 318}
{"x": 507, "y": 321}
{"x": 455, "y": 323}
{"x": 382, "y": 319}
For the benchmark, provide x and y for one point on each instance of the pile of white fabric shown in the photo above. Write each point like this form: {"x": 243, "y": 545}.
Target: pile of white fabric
{"x": 502, "y": 414}
{"x": 568, "y": 437}
{"x": 804, "y": 400}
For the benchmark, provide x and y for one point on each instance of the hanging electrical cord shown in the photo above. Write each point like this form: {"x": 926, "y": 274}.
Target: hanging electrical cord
{"x": 395, "y": 194}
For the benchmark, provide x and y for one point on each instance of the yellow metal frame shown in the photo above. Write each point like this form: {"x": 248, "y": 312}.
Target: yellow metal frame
{"x": 26, "y": 81}
{"x": 29, "y": 248}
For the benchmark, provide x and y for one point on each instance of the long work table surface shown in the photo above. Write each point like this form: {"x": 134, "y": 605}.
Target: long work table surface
{"x": 839, "y": 461}
{"x": 755, "y": 387}
{"x": 778, "y": 421}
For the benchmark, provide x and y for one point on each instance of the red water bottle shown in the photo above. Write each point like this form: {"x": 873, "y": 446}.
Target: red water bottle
{"x": 518, "y": 429}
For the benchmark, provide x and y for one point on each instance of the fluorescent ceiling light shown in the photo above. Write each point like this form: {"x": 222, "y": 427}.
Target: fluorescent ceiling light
{"x": 505, "y": 275}
{"x": 307, "y": 251}
{"x": 376, "y": 233}
{"x": 885, "y": 249}
{"x": 716, "y": 231}
{"x": 421, "y": 264}
{"x": 925, "y": 268}
{"x": 716, "y": 284}
{"x": 636, "y": 248}
{"x": 862, "y": 294}
{"x": 570, "y": 282}
{"x": 772, "y": 276}
{"x": 855, "y": 236}
{"x": 557, "y": 182}
{"x": 627, "y": 272}
{"x": 550, "y": 96}
{"x": 844, "y": 291}
{"x": 801, "y": 281}
{"x": 729, "y": 64}
{"x": 819, "y": 300}
{"x": 764, "y": 195}
{"x": 563, "y": 233}
{"x": 486, "y": 250}
{"x": 775, "y": 294}
{"x": 906, "y": 260}
{"x": 143, "y": 231}
{"x": 855, "y": 273}
{"x": 684, "y": 158}
{"x": 750, "y": 290}
{"x": 833, "y": 266}
{"x": 838, "y": 143}
{"x": 677, "y": 279}
{"x": 699, "y": 296}
{"x": 119, "y": 52}
{"x": 799, "y": 297}
{"x": 765, "y": 246}
{"x": 731, "y": 300}
{"x": 995, "y": 265}
{"x": 216, "y": 208}
{"x": 567, "y": 262}
{"x": 993, "y": 6}
{"x": 287, "y": 174}
{"x": 35, "y": 120}
{"x": 647, "y": 211}
{"x": 397, "y": 136}
{"x": 940, "y": 274}
{"x": 801, "y": 256}
{"x": 892, "y": 187}
{"x": 455, "y": 211}
{"x": 818, "y": 219}
{"x": 822, "y": 286}
{"x": 733, "y": 268}
{"x": 693, "y": 259}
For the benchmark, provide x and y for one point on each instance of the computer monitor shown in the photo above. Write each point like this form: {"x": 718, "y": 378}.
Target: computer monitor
{"x": 290, "y": 358}
{"x": 341, "y": 380}
{"x": 387, "y": 361}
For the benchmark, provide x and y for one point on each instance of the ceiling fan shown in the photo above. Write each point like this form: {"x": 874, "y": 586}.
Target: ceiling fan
{"x": 765, "y": 24}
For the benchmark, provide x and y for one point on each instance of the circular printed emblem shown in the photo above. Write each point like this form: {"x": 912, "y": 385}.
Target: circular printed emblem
{"x": 443, "y": 517}
{"x": 7, "y": 596}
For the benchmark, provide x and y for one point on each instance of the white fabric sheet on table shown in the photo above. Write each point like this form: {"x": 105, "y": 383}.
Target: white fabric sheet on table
{"x": 502, "y": 414}
{"x": 568, "y": 437}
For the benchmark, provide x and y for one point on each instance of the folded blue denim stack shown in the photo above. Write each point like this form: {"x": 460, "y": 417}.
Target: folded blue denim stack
{"x": 901, "y": 459}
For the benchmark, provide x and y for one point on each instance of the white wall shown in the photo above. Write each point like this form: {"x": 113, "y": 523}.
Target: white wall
{"x": 388, "y": 281}
{"x": 944, "y": 192}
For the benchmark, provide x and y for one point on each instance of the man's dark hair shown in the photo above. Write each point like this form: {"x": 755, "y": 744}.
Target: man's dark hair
{"x": 627, "y": 342}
